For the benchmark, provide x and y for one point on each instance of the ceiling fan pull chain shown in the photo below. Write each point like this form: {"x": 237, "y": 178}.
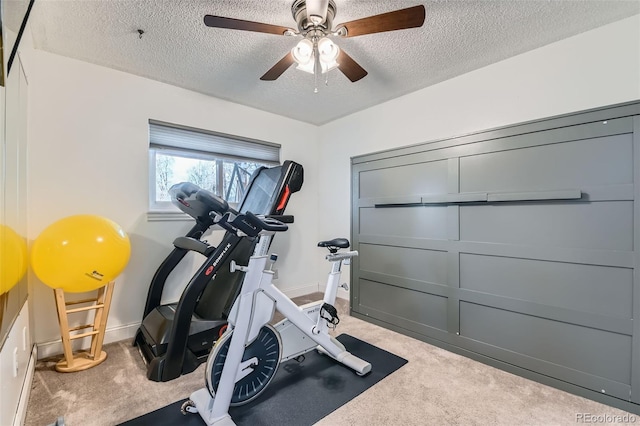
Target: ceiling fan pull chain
{"x": 317, "y": 67}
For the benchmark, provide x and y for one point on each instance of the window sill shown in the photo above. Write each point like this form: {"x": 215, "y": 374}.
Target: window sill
{"x": 167, "y": 216}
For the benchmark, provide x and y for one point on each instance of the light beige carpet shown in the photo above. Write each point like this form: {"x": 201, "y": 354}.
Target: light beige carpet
{"x": 436, "y": 387}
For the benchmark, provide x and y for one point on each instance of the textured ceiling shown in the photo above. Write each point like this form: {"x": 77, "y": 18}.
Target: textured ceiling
{"x": 177, "y": 48}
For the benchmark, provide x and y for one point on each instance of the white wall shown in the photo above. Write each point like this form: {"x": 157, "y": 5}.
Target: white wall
{"x": 88, "y": 145}
{"x": 593, "y": 69}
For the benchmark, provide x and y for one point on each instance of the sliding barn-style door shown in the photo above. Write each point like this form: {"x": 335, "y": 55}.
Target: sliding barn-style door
{"x": 517, "y": 246}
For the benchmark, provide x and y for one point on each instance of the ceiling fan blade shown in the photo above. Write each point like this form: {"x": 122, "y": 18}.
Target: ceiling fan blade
{"x": 239, "y": 24}
{"x": 277, "y": 70}
{"x": 350, "y": 68}
{"x": 411, "y": 17}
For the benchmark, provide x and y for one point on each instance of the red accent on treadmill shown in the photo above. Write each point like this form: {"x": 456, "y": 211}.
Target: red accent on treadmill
{"x": 209, "y": 271}
{"x": 222, "y": 330}
{"x": 283, "y": 200}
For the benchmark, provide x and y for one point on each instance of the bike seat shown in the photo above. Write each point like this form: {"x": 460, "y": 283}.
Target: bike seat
{"x": 336, "y": 242}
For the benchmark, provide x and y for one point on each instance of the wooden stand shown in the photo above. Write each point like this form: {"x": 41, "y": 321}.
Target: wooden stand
{"x": 83, "y": 360}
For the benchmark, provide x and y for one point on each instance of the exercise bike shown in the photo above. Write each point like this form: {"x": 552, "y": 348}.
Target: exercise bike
{"x": 245, "y": 359}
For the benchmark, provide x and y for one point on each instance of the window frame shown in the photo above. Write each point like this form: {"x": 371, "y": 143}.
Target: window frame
{"x": 166, "y": 210}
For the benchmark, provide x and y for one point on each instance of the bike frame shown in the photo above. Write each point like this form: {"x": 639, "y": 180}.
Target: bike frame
{"x": 302, "y": 330}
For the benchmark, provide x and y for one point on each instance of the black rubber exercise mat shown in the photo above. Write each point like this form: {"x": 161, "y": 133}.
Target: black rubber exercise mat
{"x": 300, "y": 393}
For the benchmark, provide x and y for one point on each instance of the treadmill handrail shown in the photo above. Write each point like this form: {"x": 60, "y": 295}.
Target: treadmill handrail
{"x": 174, "y": 357}
{"x": 154, "y": 295}
{"x": 191, "y": 244}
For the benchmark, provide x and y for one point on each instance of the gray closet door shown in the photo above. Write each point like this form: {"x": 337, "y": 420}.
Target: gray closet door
{"x": 517, "y": 246}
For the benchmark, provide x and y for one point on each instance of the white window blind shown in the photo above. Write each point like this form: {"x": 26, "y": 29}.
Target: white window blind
{"x": 181, "y": 138}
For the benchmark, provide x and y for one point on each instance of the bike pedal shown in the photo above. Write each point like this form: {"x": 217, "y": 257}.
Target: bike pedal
{"x": 332, "y": 312}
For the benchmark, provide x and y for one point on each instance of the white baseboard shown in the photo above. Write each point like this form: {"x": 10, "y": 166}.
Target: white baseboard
{"x": 342, "y": 293}
{"x": 313, "y": 288}
{"x": 300, "y": 291}
{"x": 124, "y": 332}
{"x": 115, "y": 334}
{"x": 21, "y": 412}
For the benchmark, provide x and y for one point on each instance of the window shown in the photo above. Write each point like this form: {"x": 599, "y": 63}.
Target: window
{"x": 222, "y": 164}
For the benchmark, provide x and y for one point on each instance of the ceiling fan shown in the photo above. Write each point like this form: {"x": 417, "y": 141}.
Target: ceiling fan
{"x": 316, "y": 52}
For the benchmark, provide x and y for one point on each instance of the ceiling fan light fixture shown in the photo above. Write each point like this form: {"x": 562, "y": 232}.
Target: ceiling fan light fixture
{"x": 325, "y": 67}
{"x": 328, "y": 50}
{"x": 303, "y": 52}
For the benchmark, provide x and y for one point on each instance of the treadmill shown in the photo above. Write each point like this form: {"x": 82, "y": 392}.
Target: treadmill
{"x": 175, "y": 338}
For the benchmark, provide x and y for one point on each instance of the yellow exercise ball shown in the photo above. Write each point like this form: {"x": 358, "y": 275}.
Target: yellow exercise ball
{"x": 13, "y": 258}
{"x": 80, "y": 253}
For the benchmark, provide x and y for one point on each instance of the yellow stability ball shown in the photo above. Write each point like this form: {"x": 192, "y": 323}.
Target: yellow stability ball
{"x": 13, "y": 258}
{"x": 80, "y": 253}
